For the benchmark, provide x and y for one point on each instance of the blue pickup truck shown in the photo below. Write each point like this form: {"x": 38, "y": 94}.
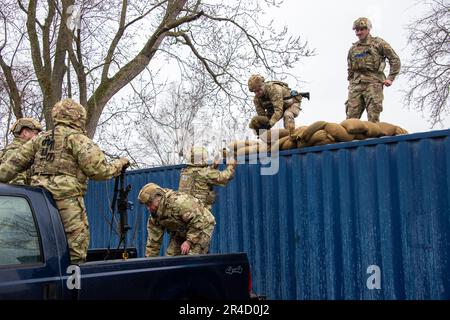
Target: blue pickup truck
{"x": 34, "y": 262}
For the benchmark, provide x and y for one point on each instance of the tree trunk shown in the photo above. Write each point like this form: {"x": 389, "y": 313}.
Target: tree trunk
{"x": 16, "y": 101}
{"x": 110, "y": 86}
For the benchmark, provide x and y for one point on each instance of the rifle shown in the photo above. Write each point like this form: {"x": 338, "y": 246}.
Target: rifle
{"x": 294, "y": 93}
{"x": 123, "y": 205}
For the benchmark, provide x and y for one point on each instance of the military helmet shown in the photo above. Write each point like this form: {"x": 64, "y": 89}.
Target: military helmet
{"x": 362, "y": 23}
{"x": 25, "y": 123}
{"x": 70, "y": 113}
{"x": 149, "y": 192}
{"x": 197, "y": 155}
{"x": 255, "y": 82}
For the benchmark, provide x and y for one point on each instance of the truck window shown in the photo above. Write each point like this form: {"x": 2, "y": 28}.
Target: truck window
{"x": 19, "y": 241}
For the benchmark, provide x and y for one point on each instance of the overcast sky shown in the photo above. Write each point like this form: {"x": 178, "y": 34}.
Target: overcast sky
{"x": 327, "y": 26}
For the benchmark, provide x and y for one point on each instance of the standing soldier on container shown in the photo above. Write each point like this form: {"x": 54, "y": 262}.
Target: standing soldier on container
{"x": 62, "y": 160}
{"x": 23, "y": 129}
{"x": 198, "y": 179}
{"x": 273, "y": 101}
{"x": 188, "y": 222}
{"x": 366, "y": 63}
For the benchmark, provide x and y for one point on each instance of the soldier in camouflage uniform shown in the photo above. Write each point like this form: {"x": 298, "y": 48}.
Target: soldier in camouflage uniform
{"x": 23, "y": 129}
{"x": 62, "y": 160}
{"x": 198, "y": 179}
{"x": 188, "y": 222}
{"x": 366, "y": 63}
{"x": 273, "y": 101}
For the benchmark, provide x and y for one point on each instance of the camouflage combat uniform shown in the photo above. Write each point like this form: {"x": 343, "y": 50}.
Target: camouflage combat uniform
{"x": 61, "y": 161}
{"x": 198, "y": 181}
{"x": 16, "y": 144}
{"x": 277, "y": 103}
{"x": 366, "y": 63}
{"x": 185, "y": 218}
{"x": 19, "y": 140}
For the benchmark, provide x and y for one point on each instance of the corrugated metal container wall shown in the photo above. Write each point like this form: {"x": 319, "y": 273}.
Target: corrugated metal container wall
{"x": 359, "y": 220}
{"x": 98, "y": 201}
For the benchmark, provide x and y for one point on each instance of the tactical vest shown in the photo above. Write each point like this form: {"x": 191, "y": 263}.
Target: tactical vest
{"x": 193, "y": 184}
{"x": 366, "y": 57}
{"x": 54, "y": 157}
{"x": 267, "y": 104}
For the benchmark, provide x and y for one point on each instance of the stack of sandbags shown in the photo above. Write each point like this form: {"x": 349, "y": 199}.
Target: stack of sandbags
{"x": 366, "y": 129}
{"x": 322, "y": 132}
{"x": 317, "y": 134}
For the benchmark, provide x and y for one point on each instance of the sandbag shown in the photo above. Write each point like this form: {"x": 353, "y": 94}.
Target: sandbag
{"x": 320, "y": 136}
{"x": 245, "y": 151}
{"x": 373, "y": 130}
{"x": 242, "y": 151}
{"x": 354, "y": 126}
{"x": 301, "y": 144}
{"x": 263, "y": 148}
{"x": 298, "y": 132}
{"x": 387, "y": 129}
{"x": 238, "y": 144}
{"x": 338, "y": 132}
{"x": 399, "y": 131}
{"x": 312, "y": 129}
{"x": 277, "y": 133}
{"x": 259, "y": 122}
{"x": 277, "y": 145}
{"x": 255, "y": 148}
{"x": 324, "y": 142}
{"x": 360, "y": 136}
{"x": 288, "y": 144}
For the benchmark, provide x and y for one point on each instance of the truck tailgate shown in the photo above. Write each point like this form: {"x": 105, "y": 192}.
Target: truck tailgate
{"x": 206, "y": 277}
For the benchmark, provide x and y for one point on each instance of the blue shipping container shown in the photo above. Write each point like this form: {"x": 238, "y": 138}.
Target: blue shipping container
{"x": 360, "y": 220}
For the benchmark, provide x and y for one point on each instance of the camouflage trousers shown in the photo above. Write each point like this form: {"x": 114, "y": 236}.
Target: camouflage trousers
{"x": 76, "y": 227}
{"x": 200, "y": 245}
{"x": 289, "y": 116}
{"x": 368, "y": 96}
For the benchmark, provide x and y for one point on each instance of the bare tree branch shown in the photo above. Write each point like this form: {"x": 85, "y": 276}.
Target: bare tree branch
{"x": 428, "y": 71}
{"x": 143, "y": 46}
{"x": 26, "y": 12}
{"x": 108, "y": 88}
